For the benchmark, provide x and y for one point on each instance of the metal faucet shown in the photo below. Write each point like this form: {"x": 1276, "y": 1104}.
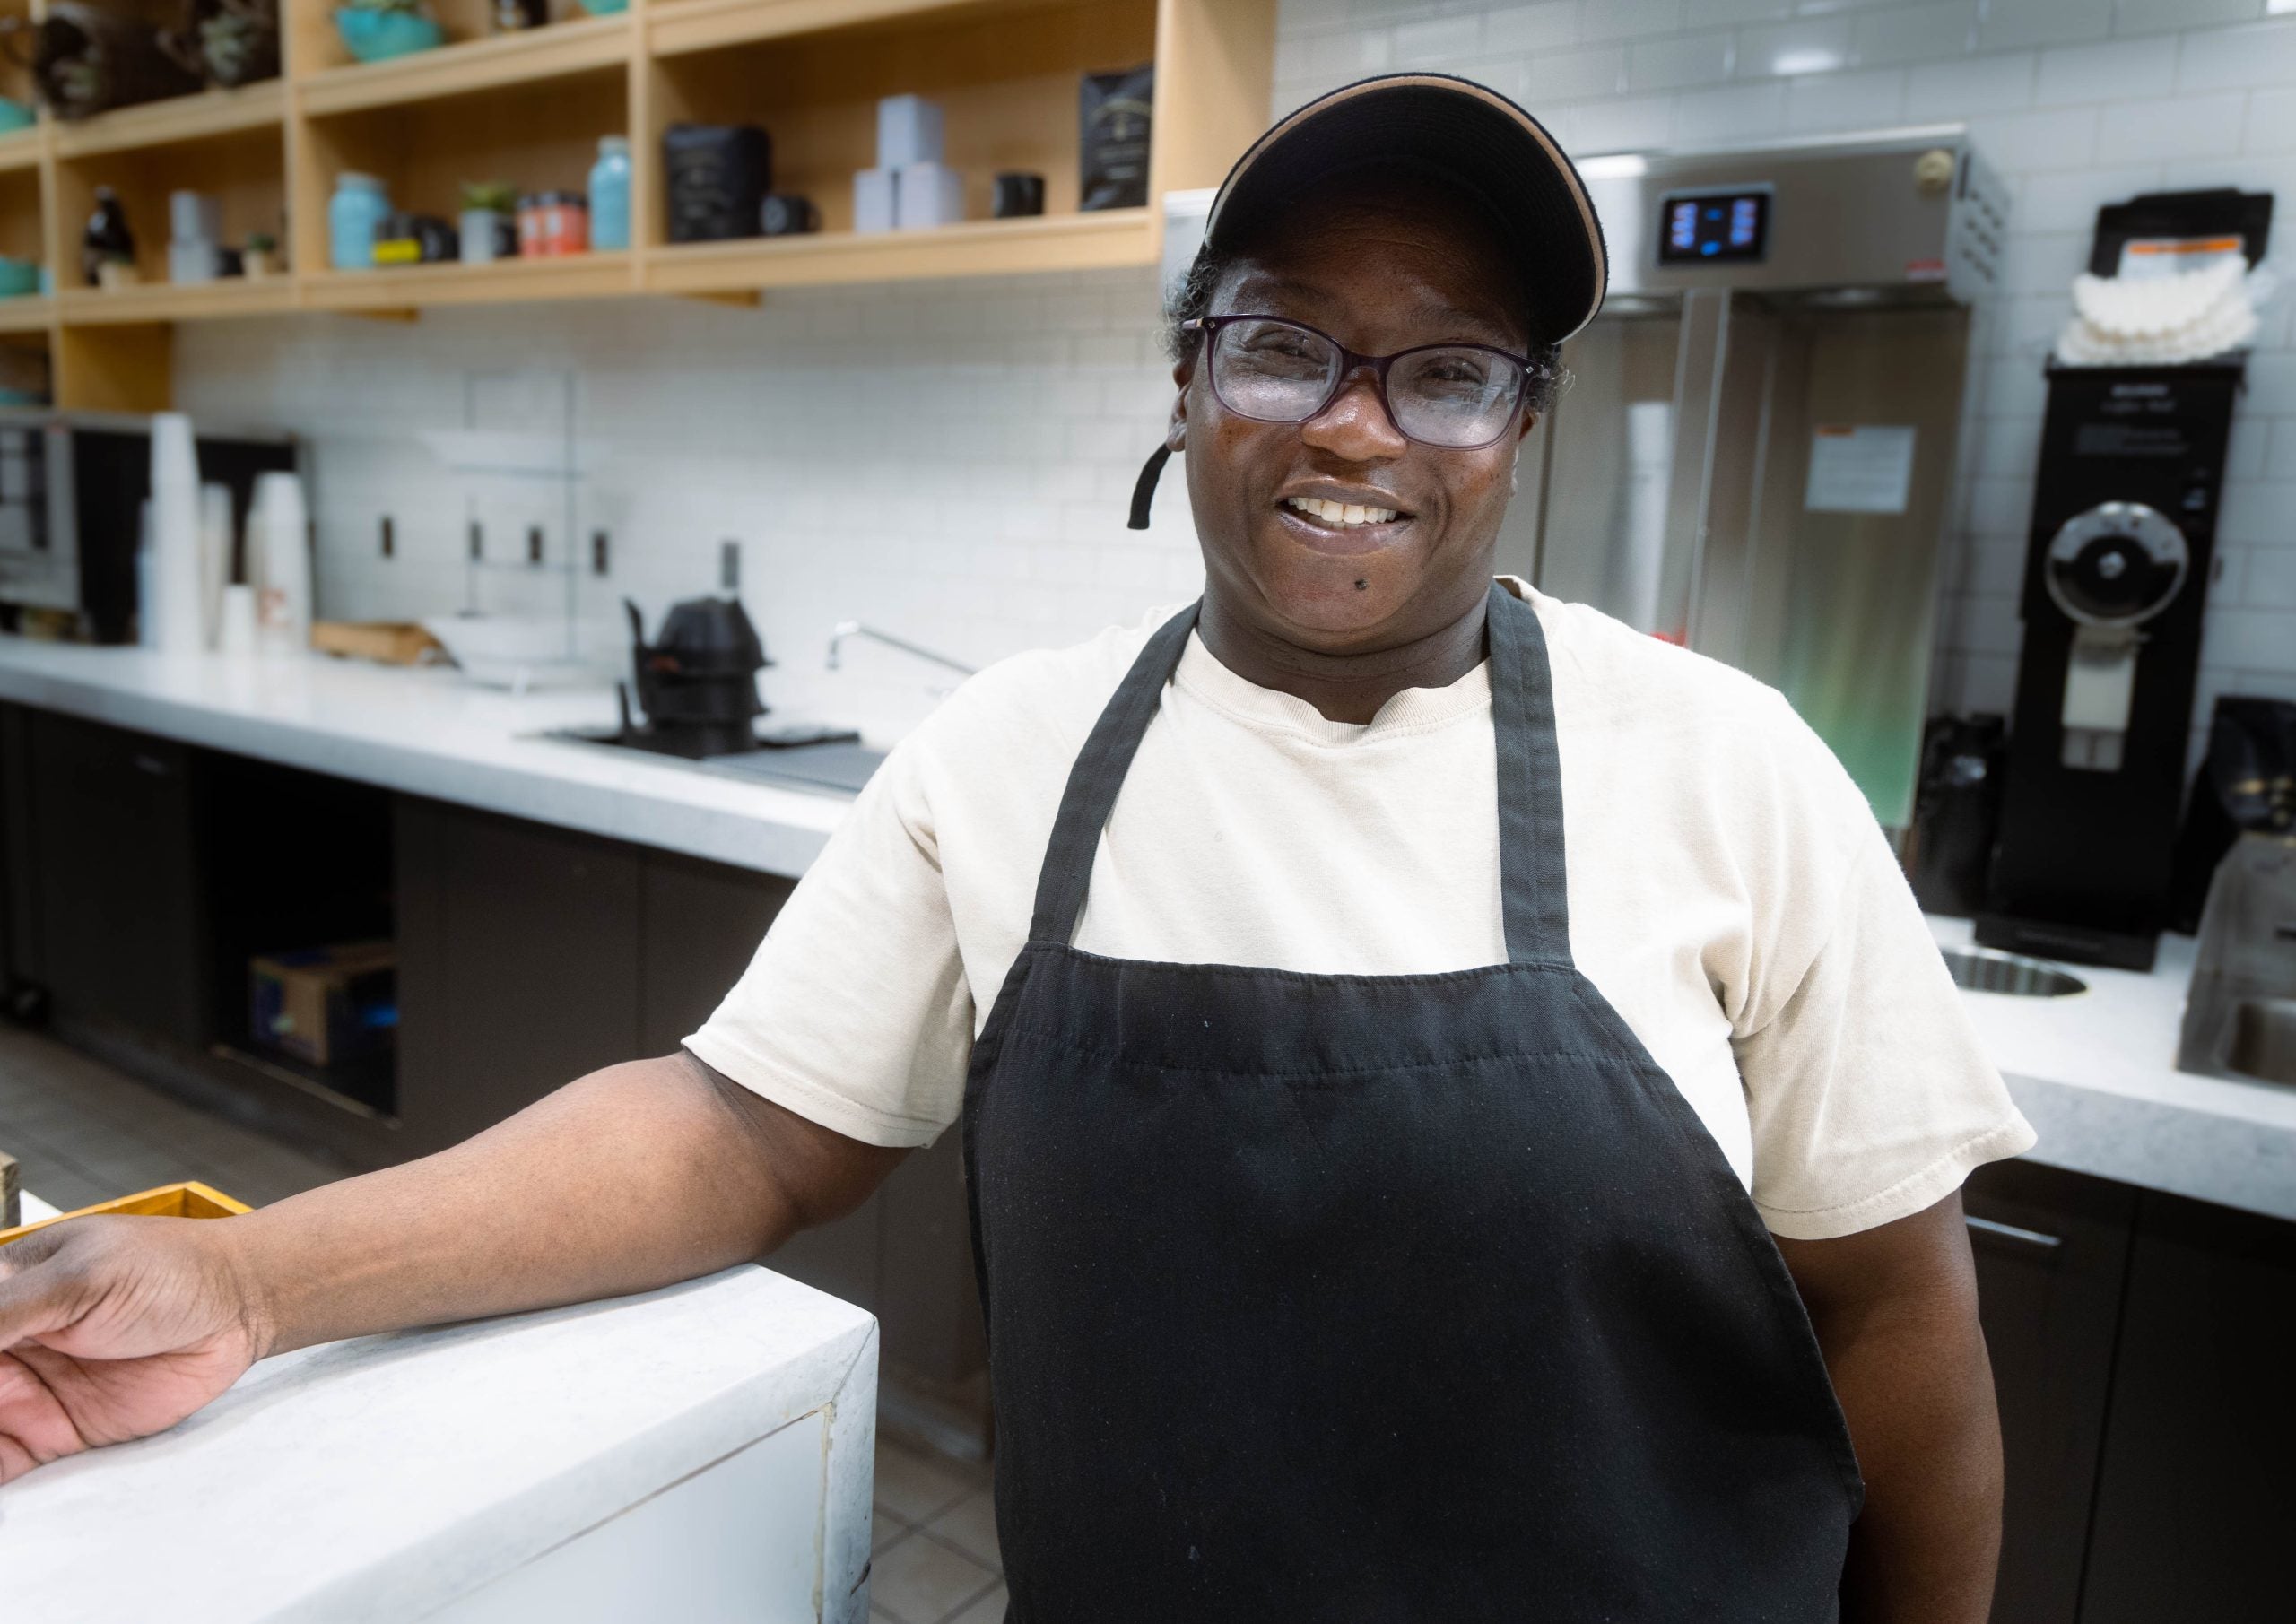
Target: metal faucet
{"x": 855, "y": 629}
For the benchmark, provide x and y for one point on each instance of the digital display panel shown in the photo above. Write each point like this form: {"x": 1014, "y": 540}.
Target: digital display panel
{"x": 1717, "y": 227}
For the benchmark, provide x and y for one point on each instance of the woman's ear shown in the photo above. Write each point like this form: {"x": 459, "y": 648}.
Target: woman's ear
{"x": 1176, "y": 429}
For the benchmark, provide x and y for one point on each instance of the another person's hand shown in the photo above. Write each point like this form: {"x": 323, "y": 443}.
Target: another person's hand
{"x": 113, "y": 1328}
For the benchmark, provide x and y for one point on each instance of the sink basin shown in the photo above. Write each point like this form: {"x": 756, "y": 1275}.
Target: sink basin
{"x": 1984, "y": 969}
{"x": 2264, "y": 1039}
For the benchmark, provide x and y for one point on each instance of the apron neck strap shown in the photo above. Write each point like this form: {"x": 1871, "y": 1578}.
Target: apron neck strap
{"x": 1097, "y": 776}
{"x": 1534, "y": 894}
{"x": 1532, "y": 888}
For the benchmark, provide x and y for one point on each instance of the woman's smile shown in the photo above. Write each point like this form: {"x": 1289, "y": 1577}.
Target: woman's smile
{"x": 1346, "y": 523}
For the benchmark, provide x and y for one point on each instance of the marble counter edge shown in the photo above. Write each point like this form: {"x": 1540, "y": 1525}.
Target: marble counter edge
{"x": 672, "y": 814}
{"x": 513, "y": 1532}
{"x": 760, "y": 1375}
{"x": 2157, "y": 1144}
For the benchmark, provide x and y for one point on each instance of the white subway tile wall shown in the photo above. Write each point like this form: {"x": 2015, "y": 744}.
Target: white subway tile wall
{"x": 952, "y": 465}
{"x": 952, "y": 462}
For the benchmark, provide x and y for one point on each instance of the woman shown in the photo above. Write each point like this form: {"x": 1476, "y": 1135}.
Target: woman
{"x": 1390, "y": 1016}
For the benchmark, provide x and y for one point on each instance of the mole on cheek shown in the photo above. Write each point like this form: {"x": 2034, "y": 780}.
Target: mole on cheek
{"x": 1362, "y": 585}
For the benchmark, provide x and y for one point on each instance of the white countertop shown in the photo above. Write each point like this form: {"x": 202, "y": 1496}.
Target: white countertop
{"x": 2095, "y": 1072}
{"x": 385, "y": 1478}
{"x": 432, "y": 733}
{"x": 2096, "y": 1075}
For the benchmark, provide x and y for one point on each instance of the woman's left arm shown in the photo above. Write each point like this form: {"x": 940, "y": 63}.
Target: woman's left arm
{"x": 1895, "y": 1310}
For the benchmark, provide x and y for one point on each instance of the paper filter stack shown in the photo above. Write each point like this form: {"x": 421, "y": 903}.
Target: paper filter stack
{"x": 2189, "y": 316}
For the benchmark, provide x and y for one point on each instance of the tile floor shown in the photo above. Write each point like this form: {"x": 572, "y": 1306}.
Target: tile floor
{"x": 83, "y": 1132}
{"x": 934, "y": 1560}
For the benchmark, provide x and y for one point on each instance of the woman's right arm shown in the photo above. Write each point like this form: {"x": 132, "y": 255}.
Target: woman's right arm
{"x": 632, "y": 1177}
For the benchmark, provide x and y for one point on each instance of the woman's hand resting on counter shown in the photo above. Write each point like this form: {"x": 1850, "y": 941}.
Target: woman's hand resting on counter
{"x": 115, "y": 1327}
{"x": 112, "y": 1328}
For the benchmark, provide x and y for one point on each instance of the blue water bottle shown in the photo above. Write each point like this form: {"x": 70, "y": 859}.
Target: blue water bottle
{"x": 610, "y": 194}
{"x": 357, "y": 208}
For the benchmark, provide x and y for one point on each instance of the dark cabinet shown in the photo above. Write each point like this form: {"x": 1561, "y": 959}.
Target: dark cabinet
{"x": 702, "y": 923}
{"x": 2196, "y": 1515}
{"x": 19, "y": 853}
{"x": 2140, "y": 1347}
{"x": 518, "y": 965}
{"x": 140, "y": 874}
{"x": 529, "y": 956}
{"x": 2051, "y": 1249}
{"x": 115, "y": 880}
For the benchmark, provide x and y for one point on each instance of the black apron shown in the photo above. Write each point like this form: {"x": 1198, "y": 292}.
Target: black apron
{"x": 1378, "y": 1297}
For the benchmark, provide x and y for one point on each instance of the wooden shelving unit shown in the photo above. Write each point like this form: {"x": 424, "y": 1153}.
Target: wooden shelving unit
{"x": 473, "y": 66}
{"x": 26, "y": 315}
{"x": 160, "y": 301}
{"x": 505, "y": 281}
{"x": 183, "y": 118}
{"x": 529, "y": 109}
{"x": 978, "y": 247}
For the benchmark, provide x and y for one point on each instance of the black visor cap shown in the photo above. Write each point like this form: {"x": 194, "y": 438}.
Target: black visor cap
{"x": 1454, "y": 127}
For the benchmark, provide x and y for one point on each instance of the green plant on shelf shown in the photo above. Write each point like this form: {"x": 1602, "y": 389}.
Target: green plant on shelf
{"x": 490, "y": 196}
{"x": 229, "y": 42}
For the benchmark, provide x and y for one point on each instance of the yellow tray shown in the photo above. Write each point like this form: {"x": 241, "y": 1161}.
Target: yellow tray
{"x": 189, "y": 1200}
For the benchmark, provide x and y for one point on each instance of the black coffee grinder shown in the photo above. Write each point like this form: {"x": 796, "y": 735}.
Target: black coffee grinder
{"x": 2122, "y": 544}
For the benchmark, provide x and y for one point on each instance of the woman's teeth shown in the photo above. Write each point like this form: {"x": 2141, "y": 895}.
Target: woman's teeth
{"x": 1345, "y": 515}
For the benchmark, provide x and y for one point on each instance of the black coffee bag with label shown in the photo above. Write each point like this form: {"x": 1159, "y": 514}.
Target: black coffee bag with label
{"x": 714, "y": 178}
{"x": 1115, "y": 152}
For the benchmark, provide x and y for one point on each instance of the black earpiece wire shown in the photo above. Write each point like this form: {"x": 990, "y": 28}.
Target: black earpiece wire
{"x": 1143, "y": 493}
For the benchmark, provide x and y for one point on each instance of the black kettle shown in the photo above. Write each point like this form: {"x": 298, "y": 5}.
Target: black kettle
{"x": 698, "y": 679}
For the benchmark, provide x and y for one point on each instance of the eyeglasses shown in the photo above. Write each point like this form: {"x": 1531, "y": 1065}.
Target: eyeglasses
{"x": 1457, "y": 396}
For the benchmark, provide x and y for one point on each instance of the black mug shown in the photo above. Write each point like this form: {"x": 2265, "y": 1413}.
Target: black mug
{"x": 787, "y": 214}
{"x": 1018, "y": 193}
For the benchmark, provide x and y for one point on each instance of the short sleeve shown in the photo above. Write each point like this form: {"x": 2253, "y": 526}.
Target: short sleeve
{"x": 1869, "y": 1096}
{"x": 855, "y": 1012}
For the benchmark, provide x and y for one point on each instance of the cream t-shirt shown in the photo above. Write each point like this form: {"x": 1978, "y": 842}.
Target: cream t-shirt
{"x": 1730, "y": 895}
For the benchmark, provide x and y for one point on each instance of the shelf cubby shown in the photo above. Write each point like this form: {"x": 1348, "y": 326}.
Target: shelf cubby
{"x": 536, "y": 135}
{"x": 1007, "y": 79}
{"x": 242, "y": 167}
{"x": 593, "y": 275}
{"x": 563, "y": 50}
{"x": 23, "y": 233}
{"x": 175, "y": 121}
{"x": 317, "y": 55}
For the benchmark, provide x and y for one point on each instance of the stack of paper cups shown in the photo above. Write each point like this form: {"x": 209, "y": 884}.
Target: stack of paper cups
{"x": 172, "y": 612}
{"x": 215, "y": 550}
{"x": 235, "y": 633}
{"x": 279, "y": 527}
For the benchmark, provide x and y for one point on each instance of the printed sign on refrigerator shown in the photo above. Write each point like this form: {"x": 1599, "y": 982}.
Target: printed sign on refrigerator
{"x": 1860, "y": 468}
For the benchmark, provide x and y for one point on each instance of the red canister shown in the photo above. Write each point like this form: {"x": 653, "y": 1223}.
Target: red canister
{"x": 553, "y": 223}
